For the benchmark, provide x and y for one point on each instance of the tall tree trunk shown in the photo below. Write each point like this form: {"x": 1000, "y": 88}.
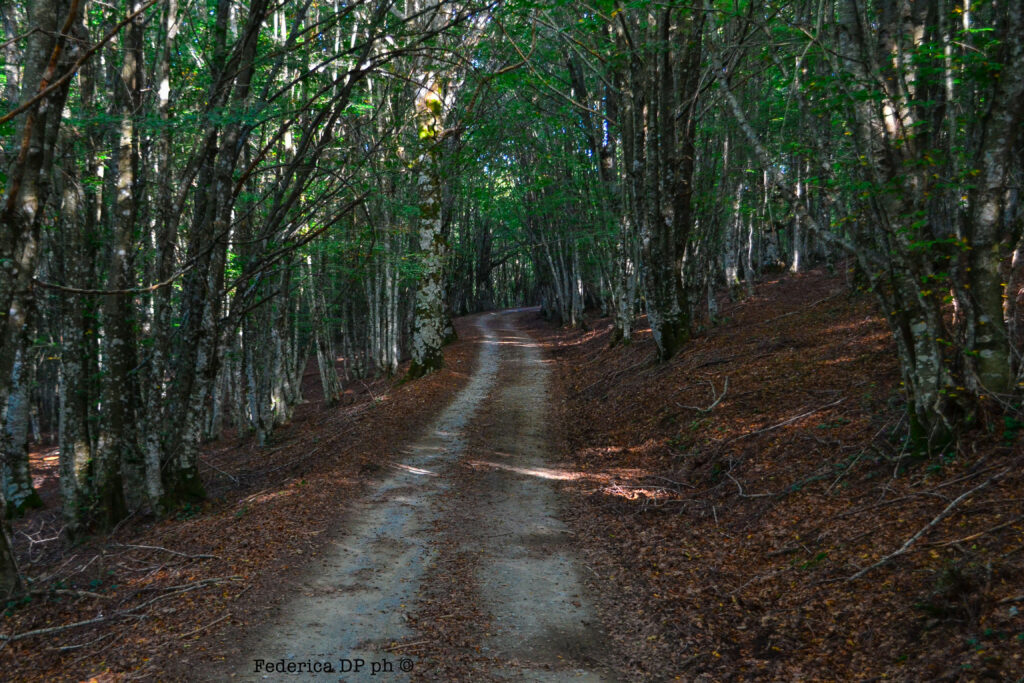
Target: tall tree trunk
{"x": 429, "y": 331}
{"x": 16, "y": 475}
{"x": 26, "y": 195}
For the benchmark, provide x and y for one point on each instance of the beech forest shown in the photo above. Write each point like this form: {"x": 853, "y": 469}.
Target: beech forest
{"x": 623, "y": 339}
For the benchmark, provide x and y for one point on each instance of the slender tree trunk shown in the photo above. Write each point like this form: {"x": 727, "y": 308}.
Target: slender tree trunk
{"x": 16, "y": 475}
{"x": 26, "y": 196}
{"x": 429, "y": 331}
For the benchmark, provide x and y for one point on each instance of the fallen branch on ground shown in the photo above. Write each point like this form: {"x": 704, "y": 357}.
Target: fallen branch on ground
{"x": 166, "y": 550}
{"x": 790, "y": 420}
{"x": 902, "y": 550}
{"x": 401, "y": 646}
{"x": 801, "y": 309}
{"x": 70, "y": 591}
{"x": 203, "y": 628}
{"x": 747, "y": 495}
{"x": 132, "y": 612}
{"x": 714, "y": 395}
{"x": 218, "y": 470}
{"x": 53, "y": 629}
{"x": 612, "y": 376}
{"x": 981, "y": 533}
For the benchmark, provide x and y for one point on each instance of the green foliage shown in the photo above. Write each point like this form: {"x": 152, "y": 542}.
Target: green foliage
{"x": 188, "y": 510}
{"x": 1011, "y": 429}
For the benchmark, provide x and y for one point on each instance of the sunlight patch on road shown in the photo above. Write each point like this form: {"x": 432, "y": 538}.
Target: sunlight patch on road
{"x": 541, "y": 472}
{"x": 414, "y": 470}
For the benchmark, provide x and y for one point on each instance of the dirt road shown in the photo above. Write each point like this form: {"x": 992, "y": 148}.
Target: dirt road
{"x": 357, "y": 603}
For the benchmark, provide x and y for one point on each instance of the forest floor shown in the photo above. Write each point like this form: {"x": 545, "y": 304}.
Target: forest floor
{"x": 716, "y": 517}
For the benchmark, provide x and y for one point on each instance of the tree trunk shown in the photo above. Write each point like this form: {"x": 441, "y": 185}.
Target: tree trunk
{"x": 429, "y": 331}
{"x": 16, "y": 476}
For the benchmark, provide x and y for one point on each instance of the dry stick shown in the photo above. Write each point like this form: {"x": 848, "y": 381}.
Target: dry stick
{"x": 885, "y": 503}
{"x": 67, "y": 591}
{"x": 171, "y": 593}
{"x": 173, "y": 590}
{"x": 714, "y": 394}
{"x": 747, "y": 495}
{"x": 928, "y": 527}
{"x": 190, "y": 586}
{"x": 166, "y": 550}
{"x": 613, "y": 375}
{"x": 217, "y": 469}
{"x": 981, "y": 533}
{"x": 401, "y": 646}
{"x": 52, "y": 629}
{"x": 56, "y": 571}
{"x": 296, "y": 461}
{"x": 794, "y": 312}
{"x": 203, "y": 628}
{"x": 368, "y": 390}
{"x": 792, "y": 419}
{"x": 69, "y": 648}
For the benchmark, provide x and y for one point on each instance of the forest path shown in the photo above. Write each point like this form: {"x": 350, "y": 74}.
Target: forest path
{"x": 504, "y": 510}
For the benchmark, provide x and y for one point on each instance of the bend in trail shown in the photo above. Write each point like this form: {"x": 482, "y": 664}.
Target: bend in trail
{"x": 356, "y": 604}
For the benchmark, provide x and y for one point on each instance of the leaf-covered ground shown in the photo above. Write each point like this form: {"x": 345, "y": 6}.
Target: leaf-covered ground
{"x": 724, "y": 524}
{"x": 176, "y": 609}
{"x": 720, "y": 504}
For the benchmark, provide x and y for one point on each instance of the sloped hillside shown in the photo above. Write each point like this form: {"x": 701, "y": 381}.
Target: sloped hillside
{"x": 734, "y": 502}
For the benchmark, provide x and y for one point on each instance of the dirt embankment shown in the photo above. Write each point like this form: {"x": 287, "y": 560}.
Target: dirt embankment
{"x": 726, "y": 498}
{"x": 214, "y": 570}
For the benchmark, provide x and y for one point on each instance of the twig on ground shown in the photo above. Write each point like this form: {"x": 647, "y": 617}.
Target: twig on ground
{"x": 219, "y": 470}
{"x": 203, "y": 628}
{"x": 69, "y": 648}
{"x": 902, "y": 550}
{"x": 117, "y": 527}
{"x": 714, "y": 395}
{"x": 369, "y": 391}
{"x": 166, "y": 550}
{"x": 68, "y": 591}
{"x": 56, "y": 571}
{"x": 401, "y": 646}
{"x": 178, "y": 590}
{"x": 846, "y": 471}
{"x": 191, "y": 586}
{"x": 802, "y": 308}
{"x": 53, "y": 629}
{"x": 673, "y": 481}
{"x": 981, "y": 533}
{"x": 614, "y": 375}
{"x": 790, "y": 420}
{"x": 747, "y": 495}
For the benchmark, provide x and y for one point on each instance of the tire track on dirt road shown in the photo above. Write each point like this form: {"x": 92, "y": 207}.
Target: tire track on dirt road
{"x": 543, "y": 625}
{"x": 357, "y": 602}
